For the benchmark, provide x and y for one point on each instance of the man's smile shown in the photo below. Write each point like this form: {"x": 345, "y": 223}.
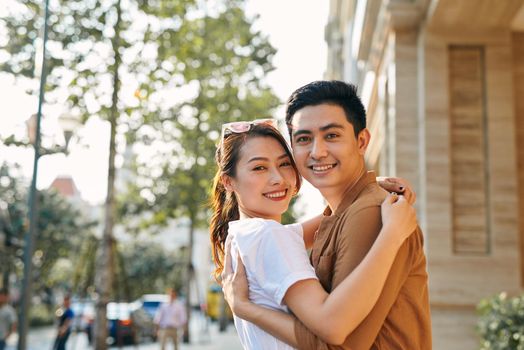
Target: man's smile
{"x": 322, "y": 168}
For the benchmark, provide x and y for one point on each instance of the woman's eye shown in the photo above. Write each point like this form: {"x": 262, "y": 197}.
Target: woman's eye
{"x": 287, "y": 163}
{"x": 258, "y": 168}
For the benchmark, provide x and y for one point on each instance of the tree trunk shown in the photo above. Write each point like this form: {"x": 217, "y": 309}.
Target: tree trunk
{"x": 189, "y": 279}
{"x": 105, "y": 269}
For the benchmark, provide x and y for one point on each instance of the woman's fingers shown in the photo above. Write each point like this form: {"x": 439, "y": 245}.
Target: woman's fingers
{"x": 228, "y": 267}
{"x": 241, "y": 270}
{"x": 390, "y": 198}
{"x": 411, "y": 197}
{"x": 398, "y": 185}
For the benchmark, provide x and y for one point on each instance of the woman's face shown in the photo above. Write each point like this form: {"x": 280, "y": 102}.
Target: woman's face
{"x": 265, "y": 180}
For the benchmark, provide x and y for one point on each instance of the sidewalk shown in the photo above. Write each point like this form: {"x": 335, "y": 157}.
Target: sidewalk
{"x": 212, "y": 339}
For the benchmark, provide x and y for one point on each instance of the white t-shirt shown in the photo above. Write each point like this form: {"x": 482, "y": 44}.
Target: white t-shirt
{"x": 275, "y": 258}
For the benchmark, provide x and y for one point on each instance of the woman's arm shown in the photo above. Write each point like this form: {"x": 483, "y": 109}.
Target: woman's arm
{"x": 390, "y": 184}
{"x": 333, "y": 317}
{"x": 309, "y": 228}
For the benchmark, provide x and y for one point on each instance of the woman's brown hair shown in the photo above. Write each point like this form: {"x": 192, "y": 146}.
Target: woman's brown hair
{"x": 223, "y": 203}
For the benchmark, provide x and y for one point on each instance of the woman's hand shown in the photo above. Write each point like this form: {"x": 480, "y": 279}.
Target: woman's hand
{"x": 398, "y": 185}
{"x": 234, "y": 285}
{"x": 399, "y": 218}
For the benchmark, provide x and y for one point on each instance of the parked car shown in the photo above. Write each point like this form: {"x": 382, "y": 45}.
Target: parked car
{"x": 122, "y": 326}
{"x": 150, "y": 303}
{"x": 144, "y": 311}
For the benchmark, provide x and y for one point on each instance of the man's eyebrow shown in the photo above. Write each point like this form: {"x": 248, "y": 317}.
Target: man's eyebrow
{"x": 301, "y": 132}
{"x": 331, "y": 125}
{"x": 322, "y": 128}
{"x": 265, "y": 159}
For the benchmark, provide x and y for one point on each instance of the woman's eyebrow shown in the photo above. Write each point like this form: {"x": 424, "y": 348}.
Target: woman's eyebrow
{"x": 284, "y": 155}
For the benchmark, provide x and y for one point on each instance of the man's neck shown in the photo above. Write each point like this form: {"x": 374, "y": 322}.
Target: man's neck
{"x": 335, "y": 197}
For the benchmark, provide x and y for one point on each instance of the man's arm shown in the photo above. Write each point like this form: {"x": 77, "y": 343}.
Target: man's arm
{"x": 309, "y": 228}
{"x": 67, "y": 323}
{"x": 353, "y": 242}
{"x": 14, "y": 323}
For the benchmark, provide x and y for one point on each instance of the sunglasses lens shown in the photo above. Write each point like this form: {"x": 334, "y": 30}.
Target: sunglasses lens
{"x": 239, "y": 127}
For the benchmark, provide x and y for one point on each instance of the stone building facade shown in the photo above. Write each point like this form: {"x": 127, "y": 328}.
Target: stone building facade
{"x": 443, "y": 83}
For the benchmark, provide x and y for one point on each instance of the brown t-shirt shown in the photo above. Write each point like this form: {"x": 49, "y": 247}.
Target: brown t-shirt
{"x": 401, "y": 317}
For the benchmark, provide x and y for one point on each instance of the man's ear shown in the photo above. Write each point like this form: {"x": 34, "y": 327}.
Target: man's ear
{"x": 363, "y": 140}
{"x": 226, "y": 182}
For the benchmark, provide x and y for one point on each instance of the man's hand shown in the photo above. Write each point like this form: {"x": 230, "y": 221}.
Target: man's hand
{"x": 399, "y": 186}
{"x": 234, "y": 285}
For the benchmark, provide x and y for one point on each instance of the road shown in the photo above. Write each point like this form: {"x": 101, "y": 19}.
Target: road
{"x": 202, "y": 339}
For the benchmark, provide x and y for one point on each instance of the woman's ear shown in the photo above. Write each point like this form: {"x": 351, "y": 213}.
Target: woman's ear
{"x": 226, "y": 182}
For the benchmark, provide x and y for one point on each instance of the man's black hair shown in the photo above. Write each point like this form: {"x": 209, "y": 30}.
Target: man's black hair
{"x": 331, "y": 92}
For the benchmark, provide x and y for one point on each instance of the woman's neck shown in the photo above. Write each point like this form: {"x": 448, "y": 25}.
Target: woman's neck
{"x": 245, "y": 214}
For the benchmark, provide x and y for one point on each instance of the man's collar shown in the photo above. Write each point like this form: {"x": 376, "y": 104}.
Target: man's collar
{"x": 352, "y": 192}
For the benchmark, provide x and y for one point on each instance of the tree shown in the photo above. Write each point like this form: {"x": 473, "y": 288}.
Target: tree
{"x": 62, "y": 228}
{"x": 143, "y": 268}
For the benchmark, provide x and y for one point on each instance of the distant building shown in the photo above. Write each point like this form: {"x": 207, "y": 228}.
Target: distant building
{"x": 65, "y": 185}
{"x": 443, "y": 84}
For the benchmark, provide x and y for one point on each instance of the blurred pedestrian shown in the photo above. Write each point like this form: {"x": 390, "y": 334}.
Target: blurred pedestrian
{"x": 7, "y": 318}
{"x": 65, "y": 319}
{"x": 169, "y": 318}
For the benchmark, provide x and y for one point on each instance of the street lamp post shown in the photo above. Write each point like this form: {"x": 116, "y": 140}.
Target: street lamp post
{"x": 68, "y": 124}
{"x": 31, "y": 233}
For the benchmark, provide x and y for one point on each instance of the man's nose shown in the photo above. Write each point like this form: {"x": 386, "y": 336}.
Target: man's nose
{"x": 318, "y": 149}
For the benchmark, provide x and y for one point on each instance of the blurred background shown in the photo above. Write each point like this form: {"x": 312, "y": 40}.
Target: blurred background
{"x": 111, "y": 110}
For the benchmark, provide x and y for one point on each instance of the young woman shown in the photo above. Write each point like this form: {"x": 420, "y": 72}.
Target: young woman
{"x": 254, "y": 183}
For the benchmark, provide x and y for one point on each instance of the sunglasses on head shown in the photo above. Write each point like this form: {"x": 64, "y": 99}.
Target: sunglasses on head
{"x": 245, "y": 126}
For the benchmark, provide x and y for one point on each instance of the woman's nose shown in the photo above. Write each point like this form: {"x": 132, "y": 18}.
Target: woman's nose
{"x": 276, "y": 177}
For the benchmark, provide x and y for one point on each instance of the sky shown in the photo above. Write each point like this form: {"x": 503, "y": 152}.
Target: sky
{"x": 295, "y": 28}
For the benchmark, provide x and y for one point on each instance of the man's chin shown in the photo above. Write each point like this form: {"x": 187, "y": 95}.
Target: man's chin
{"x": 319, "y": 182}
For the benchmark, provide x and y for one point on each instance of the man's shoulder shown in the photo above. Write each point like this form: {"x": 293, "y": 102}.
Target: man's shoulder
{"x": 371, "y": 196}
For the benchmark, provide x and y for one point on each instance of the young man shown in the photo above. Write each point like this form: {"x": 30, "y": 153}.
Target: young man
{"x": 169, "y": 317}
{"x": 7, "y": 318}
{"x": 327, "y": 125}
{"x": 65, "y": 319}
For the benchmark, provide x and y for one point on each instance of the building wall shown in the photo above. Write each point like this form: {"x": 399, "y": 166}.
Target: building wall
{"x": 459, "y": 278}
{"x": 518, "y": 78}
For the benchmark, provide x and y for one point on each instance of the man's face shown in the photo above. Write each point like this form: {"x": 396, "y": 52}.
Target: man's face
{"x": 326, "y": 151}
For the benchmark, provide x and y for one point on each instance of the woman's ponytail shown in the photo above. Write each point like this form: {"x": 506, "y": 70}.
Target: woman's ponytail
{"x": 225, "y": 209}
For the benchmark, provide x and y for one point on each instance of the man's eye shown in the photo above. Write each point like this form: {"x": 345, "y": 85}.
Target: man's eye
{"x": 302, "y": 139}
{"x": 331, "y": 136}
{"x": 258, "y": 168}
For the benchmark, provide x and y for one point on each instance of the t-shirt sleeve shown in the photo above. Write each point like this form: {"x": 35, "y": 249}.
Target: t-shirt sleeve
{"x": 276, "y": 257}
{"x": 69, "y": 314}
